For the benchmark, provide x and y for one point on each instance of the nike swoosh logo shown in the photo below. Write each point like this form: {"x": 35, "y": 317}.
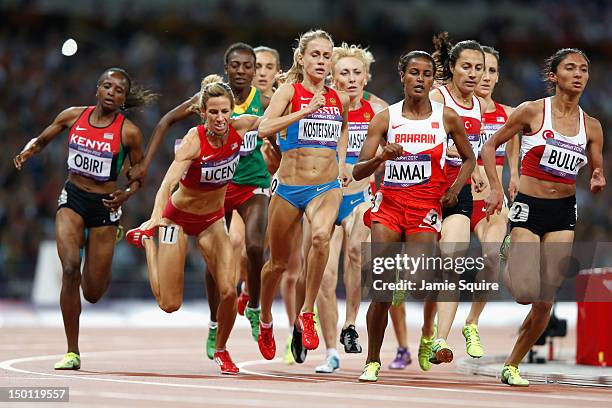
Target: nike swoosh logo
{"x": 321, "y": 188}
{"x": 354, "y": 201}
{"x": 572, "y": 225}
{"x": 80, "y": 128}
{"x": 484, "y": 209}
{"x": 393, "y": 127}
{"x": 207, "y": 157}
{"x": 304, "y": 99}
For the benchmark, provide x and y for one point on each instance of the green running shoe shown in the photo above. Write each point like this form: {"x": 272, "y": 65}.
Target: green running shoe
{"x": 441, "y": 352}
{"x": 370, "y": 372}
{"x": 211, "y": 341}
{"x": 473, "y": 345}
{"x": 71, "y": 361}
{"x": 503, "y": 249}
{"x": 510, "y": 375}
{"x": 253, "y": 316}
{"x": 288, "y": 357}
{"x": 425, "y": 345}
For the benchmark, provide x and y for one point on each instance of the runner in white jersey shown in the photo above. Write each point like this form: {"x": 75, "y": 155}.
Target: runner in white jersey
{"x": 409, "y": 204}
{"x": 558, "y": 139}
{"x": 461, "y": 69}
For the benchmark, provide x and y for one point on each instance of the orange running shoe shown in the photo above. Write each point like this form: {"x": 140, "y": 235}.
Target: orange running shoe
{"x": 136, "y": 235}
{"x": 266, "y": 343}
{"x": 310, "y": 339}
{"x": 243, "y": 300}
{"x": 225, "y": 363}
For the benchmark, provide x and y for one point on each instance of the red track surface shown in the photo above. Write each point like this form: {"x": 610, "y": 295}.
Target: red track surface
{"x": 166, "y": 367}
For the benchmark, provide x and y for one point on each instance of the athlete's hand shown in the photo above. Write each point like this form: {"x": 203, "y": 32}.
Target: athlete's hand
{"x": 513, "y": 188}
{"x": 21, "y": 158}
{"x": 449, "y": 199}
{"x": 345, "y": 176}
{"x": 137, "y": 172}
{"x": 478, "y": 181}
{"x": 317, "y": 101}
{"x": 154, "y": 222}
{"x": 494, "y": 202}
{"x": 271, "y": 156}
{"x": 391, "y": 151}
{"x": 453, "y": 152}
{"x": 598, "y": 181}
{"x": 117, "y": 198}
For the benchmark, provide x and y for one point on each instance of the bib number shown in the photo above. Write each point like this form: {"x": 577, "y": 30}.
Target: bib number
{"x": 519, "y": 212}
{"x": 169, "y": 234}
{"x": 433, "y": 220}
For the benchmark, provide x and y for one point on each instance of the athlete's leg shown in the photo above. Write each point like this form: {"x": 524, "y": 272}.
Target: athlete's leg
{"x": 290, "y": 277}
{"x": 253, "y": 211}
{"x": 327, "y": 304}
{"x": 69, "y": 228}
{"x": 215, "y": 243}
{"x": 237, "y": 239}
{"x": 454, "y": 243}
{"x": 98, "y": 260}
{"x": 322, "y": 211}
{"x": 398, "y": 318}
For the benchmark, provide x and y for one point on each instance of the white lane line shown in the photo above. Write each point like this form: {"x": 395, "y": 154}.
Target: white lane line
{"x": 466, "y": 391}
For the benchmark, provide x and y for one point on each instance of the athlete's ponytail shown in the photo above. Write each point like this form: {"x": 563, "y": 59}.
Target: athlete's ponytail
{"x": 213, "y": 86}
{"x": 296, "y": 72}
{"x": 137, "y": 96}
{"x": 446, "y": 54}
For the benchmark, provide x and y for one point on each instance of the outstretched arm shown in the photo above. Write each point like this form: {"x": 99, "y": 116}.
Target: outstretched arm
{"x": 63, "y": 121}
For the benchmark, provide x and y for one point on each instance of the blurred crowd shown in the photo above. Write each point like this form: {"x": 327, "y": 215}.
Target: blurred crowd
{"x": 170, "y": 55}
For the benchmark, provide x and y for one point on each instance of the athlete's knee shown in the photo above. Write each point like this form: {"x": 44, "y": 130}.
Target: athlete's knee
{"x": 71, "y": 272}
{"x": 93, "y": 295}
{"x": 236, "y": 240}
{"x": 354, "y": 253}
{"x": 169, "y": 305}
{"x": 255, "y": 249}
{"x": 227, "y": 294}
{"x": 320, "y": 239}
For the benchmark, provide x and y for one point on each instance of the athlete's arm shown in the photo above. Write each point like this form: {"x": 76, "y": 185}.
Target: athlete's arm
{"x": 342, "y": 145}
{"x": 131, "y": 138}
{"x": 594, "y": 153}
{"x": 246, "y": 123}
{"x": 188, "y": 150}
{"x": 519, "y": 121}
{"x": 512, "y": 153}
{"x": 273, "y": 120}
{"x": 177, "y": 114}
{"x": 63, "y": 121}
{"x": 454, "y": 125}
{"x": 369, "y": 160}
{"x": 479, "y": 182}
{"x": 378, "y": 104}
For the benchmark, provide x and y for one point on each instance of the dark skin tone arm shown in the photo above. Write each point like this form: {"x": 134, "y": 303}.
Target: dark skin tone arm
{"x": 181, "y": 112}
{"x": 131, "y": 138}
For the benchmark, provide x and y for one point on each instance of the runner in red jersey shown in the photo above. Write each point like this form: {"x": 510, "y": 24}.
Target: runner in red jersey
{"x": 409, "y": 204}
{"x": 461, "y": 67}
{"x": 312, "y": 119}
{"x": 100, "y": 140}
{"x": 203, "y": 166}
{"x": 558, "y": 138}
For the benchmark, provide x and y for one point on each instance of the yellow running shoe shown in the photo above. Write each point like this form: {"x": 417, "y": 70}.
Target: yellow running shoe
{"x": 472, "y": 341}
{"x": 288, "y": 357}
{"x": 510, "y": 375}
{"x": 425, "y": 345}
{"x": 370, "y": 372}
{"x": 441, "y": 352}
{"x": 71, "y": 361}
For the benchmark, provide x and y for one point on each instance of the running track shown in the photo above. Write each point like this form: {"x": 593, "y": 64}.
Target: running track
{"x": 166, "y": 367}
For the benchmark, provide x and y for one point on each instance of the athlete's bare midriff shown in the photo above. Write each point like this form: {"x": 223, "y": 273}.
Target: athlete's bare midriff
{"x": 307, "y": 166}
{"x": 91, "y": 185}
{"x": 198, "y": 202}
{"x": 545, "y": 189}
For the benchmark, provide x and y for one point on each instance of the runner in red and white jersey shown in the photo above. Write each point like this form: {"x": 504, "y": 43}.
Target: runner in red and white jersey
{"x": 100, "y": 139}
{"x": 203, "y": 167}
{"x": 409, "y": 204}
{"x": 461, "y": 69}
{"x": 558, "y": 139}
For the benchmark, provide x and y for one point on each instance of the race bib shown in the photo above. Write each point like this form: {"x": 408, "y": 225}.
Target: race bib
{"x": 474, "y": 140}
{"x": 249, "y": 143}
{"x": 90, "y": 163}
{"x": 408, "y": 170}
{"x": 519, "y": 212}
{"x": 378, "y": 197}
{"x": 488, "y": 130}
{"x": 273, "y": 185}
{"x": 357, "y": 134}
{"x": 322, "y": 129}
{"x": 433, "y": 220}
{"x": 220, "y": 171}
{"x": 562, "y": 159}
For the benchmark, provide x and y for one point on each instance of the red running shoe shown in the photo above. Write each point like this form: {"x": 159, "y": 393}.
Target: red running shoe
{"x": 225, "y": 363}
{"x": 310, "y": 339}
{"x": 243, "y": 300}
{"x": 266, "y": 343}
{"x": 135, "y": 236}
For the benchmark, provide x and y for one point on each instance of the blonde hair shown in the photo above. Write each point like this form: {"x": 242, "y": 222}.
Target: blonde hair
{"x": 355, "y": 51}
{"x": 212, "y": 87}
{"x": 296, "y": 72}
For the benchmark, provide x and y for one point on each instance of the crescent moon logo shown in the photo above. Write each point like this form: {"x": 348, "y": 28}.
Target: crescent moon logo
{"x": 548, "y": 134}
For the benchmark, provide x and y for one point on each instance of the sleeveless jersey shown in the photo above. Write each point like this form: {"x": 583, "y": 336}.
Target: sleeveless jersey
{"x": 358, "y": 122}
{"x": 320, "y": 129}
{"x": 421, "y": 167}
{"x": 216, "y": 166}
{"x": 94, "y": 152}
{"x": 471, "y": 118}
{"x": 491, "y": 122}
{"x": 549, "y": 155}
{"x": 252, "y": 169}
